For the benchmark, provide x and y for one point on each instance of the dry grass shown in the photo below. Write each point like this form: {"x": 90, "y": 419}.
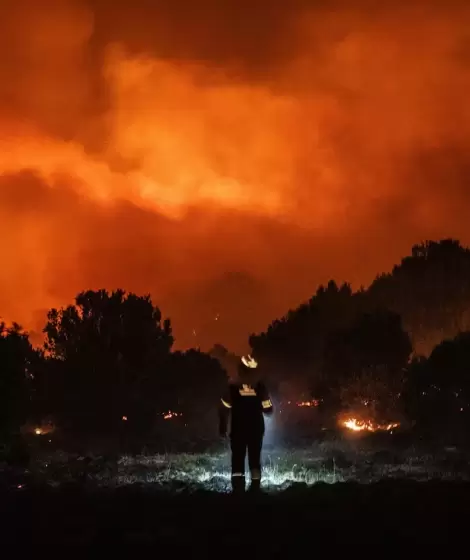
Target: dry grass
{"x": 328, "y": 463}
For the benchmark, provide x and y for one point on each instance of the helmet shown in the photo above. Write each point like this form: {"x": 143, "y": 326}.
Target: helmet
{"x": 249, "y": 362}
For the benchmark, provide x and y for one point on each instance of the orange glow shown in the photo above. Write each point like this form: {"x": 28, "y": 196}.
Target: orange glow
{"x": 201, "y": 154}
{"x": 170, "y": 415}
{"x": 356, "y": 425}
{"x": 312, "y": 403}
{"x": 44, "y": 429}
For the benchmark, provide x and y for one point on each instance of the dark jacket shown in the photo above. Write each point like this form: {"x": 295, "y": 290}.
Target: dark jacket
{"x": 246, "y": 404}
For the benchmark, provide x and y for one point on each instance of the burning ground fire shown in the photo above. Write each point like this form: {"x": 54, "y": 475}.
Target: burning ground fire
{"x": 357, "y": 425}
{"x": 313, "y": 402}
{"x": 308, "y": 404}
{"x": 43, "y": 429}
{"x": 166, "y": 415}
{"x": 169, "y": 415}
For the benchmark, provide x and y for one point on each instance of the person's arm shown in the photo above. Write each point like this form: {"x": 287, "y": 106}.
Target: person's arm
{"x": 266, "y": 403}
{"x": 224, "y": 412}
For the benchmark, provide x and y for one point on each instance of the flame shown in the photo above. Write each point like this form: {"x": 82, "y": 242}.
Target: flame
{"x": 44, "y": 429}
{"x": 311, "y": 403}
{"x": 169, "y": 415}
{"x": 357, "y": 425}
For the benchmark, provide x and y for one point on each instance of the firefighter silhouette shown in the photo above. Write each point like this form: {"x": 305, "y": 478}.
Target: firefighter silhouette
{"x": 245, "y": 403}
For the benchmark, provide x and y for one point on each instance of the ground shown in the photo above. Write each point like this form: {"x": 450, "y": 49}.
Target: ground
{"x": 355, "y": 460}
{"x": 333, "y": 494}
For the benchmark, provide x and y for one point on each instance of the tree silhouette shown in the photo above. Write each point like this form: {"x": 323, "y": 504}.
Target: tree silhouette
{"x": 16, "y": 355}
{"x": 227, "y": 360}
{"x": 430, "y": 289}
{"x": 292, "y": 348}
{"x": 193, "y": 388}
{"x": 374, "y": 340}
{"x": 107, "y": 360}
{"x": 364, "y": 364}
{"x": 438, "y": 388}
{"x": 105, "y": 353}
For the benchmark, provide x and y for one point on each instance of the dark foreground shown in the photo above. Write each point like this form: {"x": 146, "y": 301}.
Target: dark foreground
{"x": 400, "y": 516}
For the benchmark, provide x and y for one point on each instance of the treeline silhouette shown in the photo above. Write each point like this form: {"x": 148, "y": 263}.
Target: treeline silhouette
{"x": 399, "y": 350}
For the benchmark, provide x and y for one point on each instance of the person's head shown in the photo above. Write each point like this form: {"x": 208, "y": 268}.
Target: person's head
{"x": 247, "y": 369}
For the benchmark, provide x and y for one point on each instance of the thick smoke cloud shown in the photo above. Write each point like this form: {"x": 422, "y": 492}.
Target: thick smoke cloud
{"x": 225, "y": 156}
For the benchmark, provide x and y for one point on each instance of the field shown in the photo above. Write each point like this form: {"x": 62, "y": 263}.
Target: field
{"x": 363, "y": 491}
{"x": 361, "y": 460}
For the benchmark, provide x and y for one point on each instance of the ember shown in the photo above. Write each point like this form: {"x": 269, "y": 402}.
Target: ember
{"x": 313, "y": 402}
{"x": 169, "y": 415}
{"x": 367, "y": 425}
{"x": 44, "y": 428}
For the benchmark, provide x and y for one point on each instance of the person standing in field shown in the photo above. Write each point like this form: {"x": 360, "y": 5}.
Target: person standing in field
{"x": 245, "y": 403}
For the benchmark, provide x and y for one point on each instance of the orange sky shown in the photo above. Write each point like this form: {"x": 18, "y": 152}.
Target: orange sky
{"x": 226, "y": 156}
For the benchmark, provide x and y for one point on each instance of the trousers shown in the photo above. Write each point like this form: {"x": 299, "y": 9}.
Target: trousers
{"x": 244, "y": 442}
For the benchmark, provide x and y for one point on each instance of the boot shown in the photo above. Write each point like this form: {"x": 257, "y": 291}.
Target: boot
{"x": 238, "y": 483}
{"x": 255, "y": 485}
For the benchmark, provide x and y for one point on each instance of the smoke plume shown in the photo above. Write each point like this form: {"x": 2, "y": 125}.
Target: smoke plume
{"x": 225, "y": 156}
